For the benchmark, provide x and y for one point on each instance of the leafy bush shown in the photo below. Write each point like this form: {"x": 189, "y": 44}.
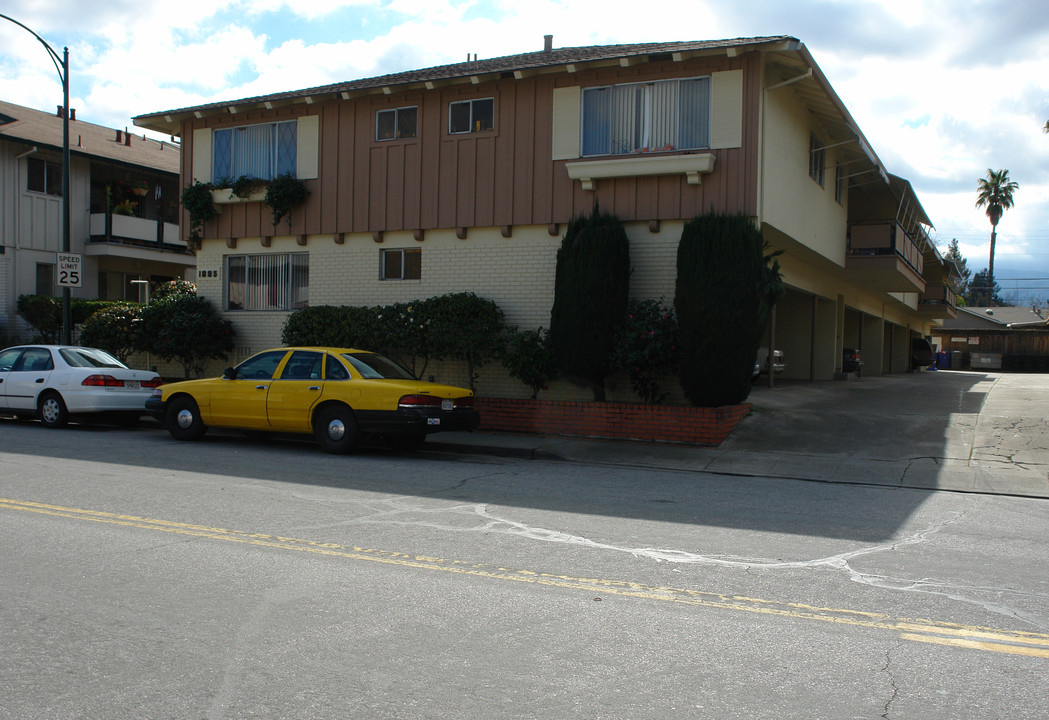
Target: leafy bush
{"x": 283, "y": 193}
{"x": 722, "y": 281}
{"x": 197, "y": 201}
{"x": 527, "y": 356}
{"x": 185, "y": 329}
{"x": 591, "y": 288}
{"x": 44, "y": 315}
{"x": 172, "y": 288}
{"x": 463, "y": 326}
{"x": 114, "y": 328}
{"x": 646, "y": 347}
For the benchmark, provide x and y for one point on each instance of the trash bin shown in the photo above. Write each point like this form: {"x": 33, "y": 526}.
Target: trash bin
{"x": 943, "y": 361}
{"x": 957, "y": 359}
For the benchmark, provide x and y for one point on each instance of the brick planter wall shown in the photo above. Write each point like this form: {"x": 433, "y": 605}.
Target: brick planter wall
{"x": 655, "y": 423}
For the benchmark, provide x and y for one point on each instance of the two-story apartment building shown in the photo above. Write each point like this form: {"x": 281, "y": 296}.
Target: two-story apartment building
{"x": 463, "y": 178}
{"x": 123, "y": 195}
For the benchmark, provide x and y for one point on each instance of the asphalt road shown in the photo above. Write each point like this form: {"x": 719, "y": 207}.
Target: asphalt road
{"x": 240, "y": 578}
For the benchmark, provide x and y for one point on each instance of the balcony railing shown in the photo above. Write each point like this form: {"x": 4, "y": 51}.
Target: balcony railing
{"x": 938, "y": 301}
{"x": 886, "y": 256}
{"x": 139, "y": 232}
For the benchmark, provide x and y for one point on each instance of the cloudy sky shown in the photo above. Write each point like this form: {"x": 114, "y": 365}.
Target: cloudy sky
{"x": 942, "y": 89}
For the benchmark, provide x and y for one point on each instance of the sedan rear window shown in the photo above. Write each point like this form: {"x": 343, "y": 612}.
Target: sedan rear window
{"x": 89, "y": 357}
{"x": 372, "y": 366}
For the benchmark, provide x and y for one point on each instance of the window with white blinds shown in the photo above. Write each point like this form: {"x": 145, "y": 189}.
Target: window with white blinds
{"x": 646, "y": 117}
{"x": 276, "y": 281}
{"x": 255, "y": 151}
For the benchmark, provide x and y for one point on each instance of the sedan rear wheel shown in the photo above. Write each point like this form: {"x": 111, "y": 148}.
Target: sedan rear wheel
{"x": 52, "y": 410}
{"x": 182, "y": 419}
{"x": 335, "y": 428}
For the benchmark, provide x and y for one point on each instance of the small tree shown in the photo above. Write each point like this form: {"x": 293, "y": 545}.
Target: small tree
{"x": 527, "y": 356}
{"x": 722, "y": 280}
{"x": 591, "y": 288}
{"x": 44, "y": 315}
{"x": 463, "y": 326}
{"x": 185, "y": 329}
{"x": 114, "y": 329}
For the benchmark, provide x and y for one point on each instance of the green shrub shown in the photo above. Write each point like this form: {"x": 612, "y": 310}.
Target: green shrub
{"x": 44, "y": 315}
{"x": 646, "y": 347}
{"x": 591, "y": 288}
{"x": 721, "y": 282}
{"x": 113, "y": 328}
{"x": 185, "y": 329}
{"x": 463, "y": 326}
{"x": 527, "y": 356}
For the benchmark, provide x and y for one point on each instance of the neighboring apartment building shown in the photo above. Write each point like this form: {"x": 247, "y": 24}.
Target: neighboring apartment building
{"x": 464, "y": 177}
{"x": 123, "y": 193}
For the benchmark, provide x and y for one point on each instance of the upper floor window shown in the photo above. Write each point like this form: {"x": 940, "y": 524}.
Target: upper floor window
{"x": 256, "y": 151}
{"x": 396, "y": 124}
{"x": 43, "y": 176}
{"x": 469, "y": 116}
{"x": 817, "y": 159}
{"x": 646, "y": 117}
{"x": 273, "y": 281}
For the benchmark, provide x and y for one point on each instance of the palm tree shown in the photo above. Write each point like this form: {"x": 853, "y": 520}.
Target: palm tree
{"x": 996, "y": 192}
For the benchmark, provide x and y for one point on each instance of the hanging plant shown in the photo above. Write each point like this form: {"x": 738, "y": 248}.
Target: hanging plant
{"x": 197, "y": 201}
{"x": 244, "y": 186}
{"x": 283, "y": 193}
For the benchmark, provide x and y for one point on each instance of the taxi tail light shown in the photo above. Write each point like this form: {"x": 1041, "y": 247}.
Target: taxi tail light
{"x": 102, "y": 381}
{"x": 465, "y": 402}
{"x": 419, "y": 401}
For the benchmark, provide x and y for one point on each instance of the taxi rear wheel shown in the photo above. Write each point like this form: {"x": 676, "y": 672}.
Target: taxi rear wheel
{"x": 182, "y": 419}
{"x": 335, "y": 428}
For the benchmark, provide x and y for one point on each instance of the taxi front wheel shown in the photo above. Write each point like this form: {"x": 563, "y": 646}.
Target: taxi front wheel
{"x": 182, "y": 419}
{"x": 336, "y": 429}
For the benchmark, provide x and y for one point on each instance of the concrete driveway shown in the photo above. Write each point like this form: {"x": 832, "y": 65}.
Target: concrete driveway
{"x": 952, "y": 430}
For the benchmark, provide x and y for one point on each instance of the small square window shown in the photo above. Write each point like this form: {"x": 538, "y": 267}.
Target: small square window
{"x": 401, "y": 264}
{"x": 396, "y": 124}
{"x": 44, "y": 177}
{"x": 469, "y": 116}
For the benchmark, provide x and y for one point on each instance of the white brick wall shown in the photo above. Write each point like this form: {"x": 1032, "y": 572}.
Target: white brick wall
{"x": 517, "y": 273}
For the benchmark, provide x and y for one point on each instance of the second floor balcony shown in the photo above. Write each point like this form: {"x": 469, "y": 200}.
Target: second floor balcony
{"x": 883, "y": 257}
{"x": 115, "y": 231}
{"x": 938, "y": 302}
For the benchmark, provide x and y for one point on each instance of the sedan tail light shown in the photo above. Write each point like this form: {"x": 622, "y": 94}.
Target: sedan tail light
{"x": 154, "y": 383}
{"x": 465, "y": 402}
{"x": 102, "y": 381}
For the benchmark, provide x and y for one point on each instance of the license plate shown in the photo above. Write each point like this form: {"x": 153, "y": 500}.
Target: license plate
{"x": 132, "y": 384}
{"x": 447, "y": 404}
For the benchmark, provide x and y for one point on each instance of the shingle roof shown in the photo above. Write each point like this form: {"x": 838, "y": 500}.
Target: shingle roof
{"x": 1006, "y": 315}
{"x": 524, "y": 62}
{"x": 34, "y": 127}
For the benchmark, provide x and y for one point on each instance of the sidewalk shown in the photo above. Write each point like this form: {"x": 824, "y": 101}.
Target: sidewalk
{"x": 983, "y": 432}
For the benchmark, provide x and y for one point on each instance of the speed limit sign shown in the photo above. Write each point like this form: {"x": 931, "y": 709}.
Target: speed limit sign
{"x": 68, "y": 270}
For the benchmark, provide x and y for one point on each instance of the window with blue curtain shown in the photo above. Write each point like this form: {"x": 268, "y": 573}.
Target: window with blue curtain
{"x": 646, "y": 117}
{"x": 255, "y": 151}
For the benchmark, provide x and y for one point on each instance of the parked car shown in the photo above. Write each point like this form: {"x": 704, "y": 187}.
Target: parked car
{"x": 337, "y": 394}
{"x": 921, "y": 353}
{"x": 778, "y": 364}
{"x": 56, "y": 382}
{"x": 851, "y": 360}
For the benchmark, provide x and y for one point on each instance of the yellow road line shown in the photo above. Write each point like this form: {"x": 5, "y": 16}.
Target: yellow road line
{"x": 927, "y": 631}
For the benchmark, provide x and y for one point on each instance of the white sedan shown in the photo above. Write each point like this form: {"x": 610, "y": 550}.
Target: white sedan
{"x": 55, "y": 382}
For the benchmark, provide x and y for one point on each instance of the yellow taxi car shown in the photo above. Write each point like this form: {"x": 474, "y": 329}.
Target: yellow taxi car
{"x": 337, "y": 394}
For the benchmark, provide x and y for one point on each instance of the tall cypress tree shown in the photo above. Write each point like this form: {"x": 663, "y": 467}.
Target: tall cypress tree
{"x": 722, "y": 282}
{"x": 591, "y": 290}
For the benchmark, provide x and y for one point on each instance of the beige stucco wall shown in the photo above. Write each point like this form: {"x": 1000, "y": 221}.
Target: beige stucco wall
{"x": 790, "y": 200}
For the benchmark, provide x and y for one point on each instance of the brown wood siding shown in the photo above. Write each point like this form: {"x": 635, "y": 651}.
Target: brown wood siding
{"x": 502, "y": 177}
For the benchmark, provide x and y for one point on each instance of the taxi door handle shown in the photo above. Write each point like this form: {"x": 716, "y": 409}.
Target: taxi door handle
{"x": 261, "y": 387}
{"x": 314, "y": 387}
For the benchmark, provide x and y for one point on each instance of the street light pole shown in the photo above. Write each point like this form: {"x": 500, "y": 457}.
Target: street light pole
{"x": 62, "y": 65}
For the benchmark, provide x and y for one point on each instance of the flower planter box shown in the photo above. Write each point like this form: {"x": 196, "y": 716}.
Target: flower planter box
{"x": 624, "y": 421}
